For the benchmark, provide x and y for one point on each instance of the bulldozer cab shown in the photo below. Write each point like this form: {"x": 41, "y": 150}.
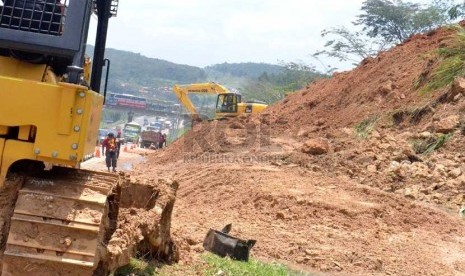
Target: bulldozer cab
{"x": 227, "y": 103}
{"x": 40, "y": 17}
{"x": 51, "y": 32}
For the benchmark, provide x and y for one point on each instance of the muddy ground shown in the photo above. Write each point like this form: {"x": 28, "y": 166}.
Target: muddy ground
{"x": 359, "y": 174}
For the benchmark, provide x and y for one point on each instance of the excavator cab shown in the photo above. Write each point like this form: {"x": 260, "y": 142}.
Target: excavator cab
{"x": 227, "y": 102}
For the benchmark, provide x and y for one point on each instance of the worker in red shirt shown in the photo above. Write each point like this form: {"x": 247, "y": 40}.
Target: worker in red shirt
{"x": 161, "y": 140}
{"x": 111, "y": 148}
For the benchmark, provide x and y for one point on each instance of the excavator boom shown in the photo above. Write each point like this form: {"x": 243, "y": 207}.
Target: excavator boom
{"x": 182, "y": 91}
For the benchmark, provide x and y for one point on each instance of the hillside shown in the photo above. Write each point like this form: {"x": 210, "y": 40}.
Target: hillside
{"x": 133, "y": 73}
{"x": 246, "y": 70}
{"x": 358, "y": 174}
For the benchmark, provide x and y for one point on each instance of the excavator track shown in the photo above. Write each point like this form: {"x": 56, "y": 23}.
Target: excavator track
{"x": 60, "y": 224}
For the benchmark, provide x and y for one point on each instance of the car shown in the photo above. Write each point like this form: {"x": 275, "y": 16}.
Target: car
{"x": 153, "y": 128}
{"x": 157, "y": 124}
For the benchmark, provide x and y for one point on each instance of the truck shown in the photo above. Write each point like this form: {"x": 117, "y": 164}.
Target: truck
{"x": 131, "y": 132}
{"x": 149, "y": 137}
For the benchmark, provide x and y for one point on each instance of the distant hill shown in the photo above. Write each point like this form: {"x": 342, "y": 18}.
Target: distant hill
{"x": 133, "y": 73}
{"x": 248, "y": 70}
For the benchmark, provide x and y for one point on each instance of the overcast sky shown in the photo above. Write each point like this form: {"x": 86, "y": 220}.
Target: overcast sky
{"x": 206, "y": 32}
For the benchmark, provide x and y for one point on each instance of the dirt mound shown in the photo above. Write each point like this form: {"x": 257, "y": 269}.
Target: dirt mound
{"x": 360, "y": 173}
{"x": 143, "y": 222}
{"x": 386, "y": 83}
{"x": 384, "y": 91}
{"x": 314, "y": 222}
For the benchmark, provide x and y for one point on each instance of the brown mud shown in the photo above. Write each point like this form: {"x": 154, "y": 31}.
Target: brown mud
{"x": 337, "y": 178}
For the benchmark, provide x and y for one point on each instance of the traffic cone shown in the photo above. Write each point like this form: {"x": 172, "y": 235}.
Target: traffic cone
{"x": 97, "y": 151}
{"x": 125, "y": 147}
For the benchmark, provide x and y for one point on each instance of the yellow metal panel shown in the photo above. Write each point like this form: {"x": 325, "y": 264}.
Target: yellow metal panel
{"x": 3, "y": 130}
{"x": 256, "y": 107}
{"x": 12, "y": 152}
{"x": 24, "y": 133}
{"x": 50, "y": 77}
{"x": 10, "y": 67}
{"x": 2, "y": 175}
{"x": 63, "y": 114}
{"x": 65, "y": 120}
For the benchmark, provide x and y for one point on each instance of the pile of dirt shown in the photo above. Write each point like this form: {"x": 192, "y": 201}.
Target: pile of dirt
{"x": 389, "y": 82}
{"x": 143, "y": 222}
{"x": 370, "y": 121}
{"x": 360, "y": 173}
{"x": 310, "y": 221}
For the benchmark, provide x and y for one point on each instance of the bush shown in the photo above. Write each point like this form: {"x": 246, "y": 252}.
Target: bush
{"x": 365, "y": 127}
{"x": 430, "y": 144}
{"x": 451, "y": 63}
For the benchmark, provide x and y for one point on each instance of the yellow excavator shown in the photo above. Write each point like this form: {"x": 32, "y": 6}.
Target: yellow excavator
{"x": 56, "y": 219}
{"x": 228, "y": 104}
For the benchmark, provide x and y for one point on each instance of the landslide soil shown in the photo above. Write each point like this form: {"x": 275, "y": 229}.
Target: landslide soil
{"x": 331, "y": 179}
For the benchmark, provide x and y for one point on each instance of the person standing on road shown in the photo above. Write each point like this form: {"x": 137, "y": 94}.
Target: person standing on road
{"x": 110, "y": 151}
{"x": 161, "y": 141}
{"x": 119, "y": 140}
{"x": 130, "y": 116}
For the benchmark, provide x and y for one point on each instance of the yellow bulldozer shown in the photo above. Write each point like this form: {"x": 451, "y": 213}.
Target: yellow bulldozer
{"x": 228, "y": 103}
{"x": 56, "y": 219}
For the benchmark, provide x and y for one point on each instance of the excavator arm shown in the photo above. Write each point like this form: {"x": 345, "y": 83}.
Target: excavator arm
{"x": 182, "y": 91}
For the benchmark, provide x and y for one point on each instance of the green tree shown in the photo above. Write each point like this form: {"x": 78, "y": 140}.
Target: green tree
{"x": 297, "y": 75}
{"x": 383, "y": 23}
{"x": 347, "y": 45}
{"x": 395, "y": 21}
{"x": 273, "y": 87}
{"x": 435, "y": 15}
{"x": 457, "y": 11}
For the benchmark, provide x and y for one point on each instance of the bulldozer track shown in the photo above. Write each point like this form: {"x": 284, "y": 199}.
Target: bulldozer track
{"x": 59, "y": 224}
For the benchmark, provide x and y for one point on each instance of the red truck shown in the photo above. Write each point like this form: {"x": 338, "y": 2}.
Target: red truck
{"x": 149, "y": 137}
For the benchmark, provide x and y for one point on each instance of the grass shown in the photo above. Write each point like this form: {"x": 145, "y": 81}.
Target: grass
{"x": 431, "y": 144}
{"x": 213, "y": 265}
{"x": 365, "y": 127}
{"x": 228, "y": 267}
{"x": 451, "y": 63}
{"x": 414, "y": 114}
{"x": 136, "y": 267}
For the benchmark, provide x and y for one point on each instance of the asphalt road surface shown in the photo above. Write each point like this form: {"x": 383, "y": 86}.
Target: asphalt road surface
{"x": 126, "y": 161}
